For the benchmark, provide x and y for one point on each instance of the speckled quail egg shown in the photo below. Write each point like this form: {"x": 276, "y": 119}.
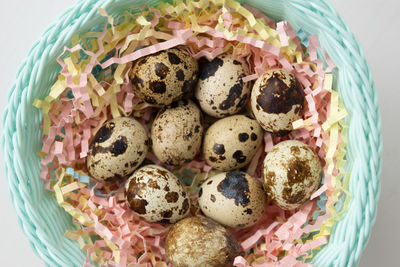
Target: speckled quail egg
{"x": 117, "y": 149}
{"x": 157, "y": 195}
{"x": 233, "y": 199}
{"x": 277, "y": 100}
{"x": 164, "y": 77}
{"x": 221, "y": 90}
{"x": 200, "y": 242}
{"x": 231, "y": 142}
{"x": 177, "y": 132}
{"x": 292, "y": 172}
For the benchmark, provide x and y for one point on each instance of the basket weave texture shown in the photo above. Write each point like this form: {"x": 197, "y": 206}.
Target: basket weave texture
{"x": 44, "y": 222}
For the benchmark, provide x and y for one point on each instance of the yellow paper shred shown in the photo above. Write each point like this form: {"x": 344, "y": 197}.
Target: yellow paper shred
{"x": 328, "y": 82}
{"x": 195, "y": 25}
{"x": 71, "y": 66}
{"x": 113, "y": 101}
{"x": 119, "y": 72}
{"x": 110, "y": 19}
{"x": 94, "y": 98}
{"x": 57, "y": 89}
{"x": 71, "y": 187}
{"x": 97, "y": 86}
{"x": 142, "y": 21}
{"x": 337, "y": 114}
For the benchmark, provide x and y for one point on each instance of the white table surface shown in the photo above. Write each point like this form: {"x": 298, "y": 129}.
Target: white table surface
{"x": 375, "y": 23}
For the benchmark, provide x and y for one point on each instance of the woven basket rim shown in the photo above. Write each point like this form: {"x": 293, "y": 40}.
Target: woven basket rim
{"x": 342, "y": 250}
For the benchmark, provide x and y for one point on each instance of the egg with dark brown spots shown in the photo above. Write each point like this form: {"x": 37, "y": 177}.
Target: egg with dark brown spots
{"x": 231, "y": 142}
{"x": 117, "y": 149}
{"x": 157, "y": 195}
{"x": 164, "y": 77}
{"x": 234, "y": 199}
{"x": 177, "y": 132}
{"x": 277, "y": 100}
{"x": 200, "y": 242}
{"x": 221, "y": 91}
{"x": 292, "y": 172}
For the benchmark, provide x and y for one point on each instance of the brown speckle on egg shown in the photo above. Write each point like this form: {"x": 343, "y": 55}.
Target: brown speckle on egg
{"x": 249, "y": 211}
{"x": 243, "y": 137}
{"x": 239, "y": 157}
{"x": 199, "y": 242}
{"x": 235, "y": 92}
{"x": 104, "y": 133}
{"x": 172, "y": 197}
{"x": 153, "y": 184}
{"x": 158, "y": 87}
{"x": 277, "y": 100}
{"x": 161, "y": 70}
{"x": 174, "y": 58}
{"x": 209, "y": 69}
{"x": 117, "y": 148}
{"x": 180, "y": 75}
{"x": 219, "y": 149}
{"x": 164, "y": 77}
{"x": 213, "y": 159}
{"x": 185, "y": 207}
{"x": 235, "y": 186}
{"x": 139, "y": 205}
{"x": 167, "y": 214}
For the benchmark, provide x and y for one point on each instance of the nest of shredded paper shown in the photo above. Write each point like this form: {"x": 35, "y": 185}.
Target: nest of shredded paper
{"x": 93, "y": 86}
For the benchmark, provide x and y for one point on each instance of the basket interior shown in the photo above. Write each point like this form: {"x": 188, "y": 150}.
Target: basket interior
{"x": 45, "y": 222}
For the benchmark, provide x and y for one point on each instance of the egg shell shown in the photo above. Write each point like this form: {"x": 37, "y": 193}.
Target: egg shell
{"x": 277, "y": 100}
{"x": 117, "y": 149}
{"x": 221, "y": 91}
{"x": 292, "y": 172}
{"x": 200, "y": 242}
{"x": 233, "y": 199}
{"x": 164, "y": 77}
{"x": 157, "y": 195}
{"x": 177, "y": 132}
{"x": 231, "y": 142}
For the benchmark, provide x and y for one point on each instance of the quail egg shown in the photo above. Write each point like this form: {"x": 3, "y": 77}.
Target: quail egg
{"x": 231, "y": 142}
{"x": 221, "y": 91}
{"x": 292, "y": 172}
{"x": 277, "y": 100}
{"x": 164, "y": 77}
{"x": 200, "y": 242}
{"x": 117, "y": 149}
{"x": 177, "y": 132}
{"x": 157, "y": 195}
{"x": 233, "y": 199}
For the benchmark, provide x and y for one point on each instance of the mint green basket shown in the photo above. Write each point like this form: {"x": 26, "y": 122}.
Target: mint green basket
{"x": 44, "y": 222}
